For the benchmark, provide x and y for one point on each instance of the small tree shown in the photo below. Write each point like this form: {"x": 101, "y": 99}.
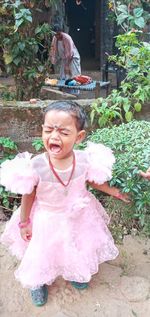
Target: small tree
{"x": 20, "y": 39}
{"x": 134, "y": 57}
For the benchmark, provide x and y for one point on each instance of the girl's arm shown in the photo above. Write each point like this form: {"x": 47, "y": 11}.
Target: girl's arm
{"x": 24, "y": 224}
{"x": 26, "y": 205}
{"x": 112, "y": 191}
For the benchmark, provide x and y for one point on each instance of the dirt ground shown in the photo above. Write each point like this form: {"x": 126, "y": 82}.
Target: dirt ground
{"x": 120, "y": 289}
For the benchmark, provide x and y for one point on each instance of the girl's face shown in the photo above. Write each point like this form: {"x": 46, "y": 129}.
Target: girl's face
{"x": 60, "y": 134}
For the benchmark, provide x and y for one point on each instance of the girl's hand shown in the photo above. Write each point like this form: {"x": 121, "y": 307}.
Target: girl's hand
{"x": 26, "y": 233}
{"x": 112, "y": 191}
{"x": 145, "y": 175}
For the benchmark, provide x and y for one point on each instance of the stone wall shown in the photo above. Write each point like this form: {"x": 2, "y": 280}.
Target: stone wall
{"x": 21, "y": 121}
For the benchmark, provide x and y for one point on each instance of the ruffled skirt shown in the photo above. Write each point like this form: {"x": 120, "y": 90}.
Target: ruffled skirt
{"x": 67, "y": 244}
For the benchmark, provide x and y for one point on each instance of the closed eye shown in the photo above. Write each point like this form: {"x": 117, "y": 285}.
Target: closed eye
{"x": 47, "y": 131}
{"x": 63, "y": 133}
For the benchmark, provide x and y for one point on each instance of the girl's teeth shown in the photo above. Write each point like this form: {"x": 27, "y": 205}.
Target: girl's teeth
{"x": 55, "y": 148}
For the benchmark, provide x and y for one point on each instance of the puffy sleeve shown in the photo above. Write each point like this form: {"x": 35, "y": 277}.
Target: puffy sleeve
{"x": 18, "y": 174}
{"x": 100, "y": 162}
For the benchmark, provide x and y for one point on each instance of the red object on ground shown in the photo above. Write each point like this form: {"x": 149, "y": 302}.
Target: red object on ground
{"x": 82, "y": 79}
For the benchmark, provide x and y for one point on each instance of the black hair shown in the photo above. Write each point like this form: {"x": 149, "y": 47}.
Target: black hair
{"x": 73, "y": 108}
{"x": 57, "y": 28}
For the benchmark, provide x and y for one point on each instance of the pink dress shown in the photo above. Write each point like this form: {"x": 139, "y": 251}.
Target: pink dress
{"x": 70, "y": 237}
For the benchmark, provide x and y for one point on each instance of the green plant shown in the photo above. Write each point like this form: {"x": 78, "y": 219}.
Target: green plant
{"x": 105, "y": 110}
{"x": 134, "y": 58}
{"x": 8, "y": 149}
{"x": 20, "y": 39}
{"x": 38, "y": 144}
{"x": 130, "y": 143}
{"x": 130, "y": 14}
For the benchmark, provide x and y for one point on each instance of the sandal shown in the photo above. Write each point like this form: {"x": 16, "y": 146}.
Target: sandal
{"x": 78, "y": 285}
{"x": 39, "y": 295}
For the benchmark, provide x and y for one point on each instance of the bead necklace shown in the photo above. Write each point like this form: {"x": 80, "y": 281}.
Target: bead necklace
{"x": 58, "y": 177}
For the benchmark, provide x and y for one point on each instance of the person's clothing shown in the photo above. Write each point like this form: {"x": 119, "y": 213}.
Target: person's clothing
{"x": 70, "y": 237}
{"x": 68, "y": 54}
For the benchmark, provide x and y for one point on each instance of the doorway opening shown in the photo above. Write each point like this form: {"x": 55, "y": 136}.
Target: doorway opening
{"x": 84, "y": 27}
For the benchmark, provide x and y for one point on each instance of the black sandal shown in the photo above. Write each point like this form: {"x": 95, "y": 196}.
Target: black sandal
{"x": 39, "y": 295}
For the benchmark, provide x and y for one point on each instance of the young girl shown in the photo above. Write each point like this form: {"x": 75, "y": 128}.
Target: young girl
{"x": 60, "y": 228}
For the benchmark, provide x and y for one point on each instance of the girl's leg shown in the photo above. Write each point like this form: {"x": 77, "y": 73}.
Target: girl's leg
{"x": 39, "y": 295}
{"x": 79, "y": 285}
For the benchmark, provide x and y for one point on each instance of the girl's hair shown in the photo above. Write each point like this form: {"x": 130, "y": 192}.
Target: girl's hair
{"x": 71, "y": 107}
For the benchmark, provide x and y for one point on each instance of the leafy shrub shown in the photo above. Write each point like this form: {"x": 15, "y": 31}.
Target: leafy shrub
{"x": 122, "y": 105}
{"x": 130, "y": 143}
{"x": 8, "y": 149}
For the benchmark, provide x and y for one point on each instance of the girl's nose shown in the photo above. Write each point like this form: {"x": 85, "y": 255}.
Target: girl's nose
{"x": 54, "y": 134}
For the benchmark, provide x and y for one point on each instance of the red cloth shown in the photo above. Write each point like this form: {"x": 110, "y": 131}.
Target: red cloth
{"x": 83, "y": 80}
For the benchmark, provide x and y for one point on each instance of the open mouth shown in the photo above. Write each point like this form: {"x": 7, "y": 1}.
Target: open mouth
{"x": 55, "y": 148}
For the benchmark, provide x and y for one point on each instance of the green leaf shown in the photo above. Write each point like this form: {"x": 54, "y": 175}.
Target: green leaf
{"x": 138, "y": 12}
{"x": 17, "y": 60}
{"x": 137, "y": 107}
{"x": 140, "y": 22}
{"x": 18, "y": 23}
{"x": 123, "y": 8}
{"x": 21, "y": 46}
{"x": 7, "y": 58}
{"x": 29, "y": 18}
{"x": 134, "y": 51}
{"x": 121, "y": 18}
{"x": 128, "y": 116}
{"x": 38, "y": 144}
{"x": 94, "y": 105}
{"x": 18, "y": 16}
{"x": 38, "y": 147}
{"x": 38, "y": 30}
{"x": 126, "y": 107}
{"x": 142, "y": 219}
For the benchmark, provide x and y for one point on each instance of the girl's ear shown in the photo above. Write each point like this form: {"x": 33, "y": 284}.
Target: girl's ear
{"x": 81, "y": 136}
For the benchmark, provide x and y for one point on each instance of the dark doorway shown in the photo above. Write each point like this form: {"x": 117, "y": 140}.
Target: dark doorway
{"x": 82, "y": 26}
